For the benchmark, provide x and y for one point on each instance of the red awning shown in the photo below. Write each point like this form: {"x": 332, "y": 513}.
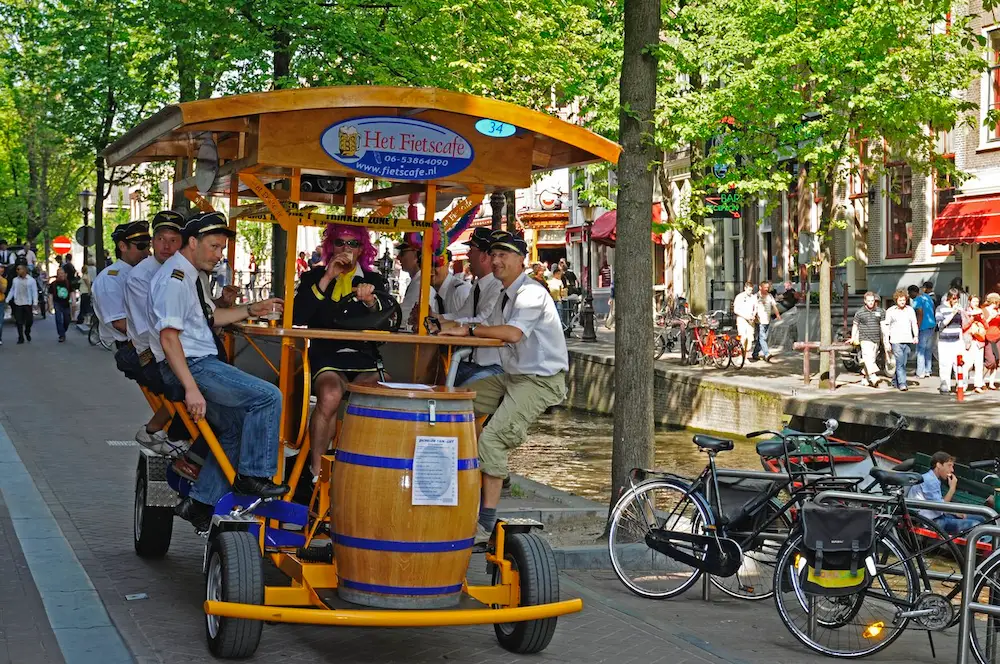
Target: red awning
{"x": 604, "y": 228}
{"x": 968, "y": 221}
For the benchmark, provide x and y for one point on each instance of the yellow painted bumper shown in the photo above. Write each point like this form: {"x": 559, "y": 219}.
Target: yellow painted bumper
{"x": 376, "y": 618}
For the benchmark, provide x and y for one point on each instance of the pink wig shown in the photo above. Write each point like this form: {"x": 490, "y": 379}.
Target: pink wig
{"x": 416, "y": 240}
{"x": 335, "y": 231}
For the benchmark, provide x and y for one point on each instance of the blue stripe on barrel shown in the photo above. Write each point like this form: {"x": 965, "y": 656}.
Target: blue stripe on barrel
{"x": 400, "y": 590}
{"x": 393, "y": 463}
{"x": 396, "y": 546}
{"x": 407, "y": 416}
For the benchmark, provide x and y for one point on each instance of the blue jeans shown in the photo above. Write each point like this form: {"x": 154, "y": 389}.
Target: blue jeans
{"x": 954, "y": 525}
{"x": 244, "y": 412}
{"x": 760, "y": 341}
{"x": 470, "y": 371}
{"x": 925, "y": 352}
{"x": 902, "y": 353}
{"x": 62, "y": 318}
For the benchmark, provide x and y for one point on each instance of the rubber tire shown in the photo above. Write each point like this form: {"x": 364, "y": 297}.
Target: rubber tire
{"x": 984, "y": 571}
{"x": 774, "y": 507}
{"x": 737, "y": 355}
{"x": 720, "y": 353}
{"x": 152, "y": 527}
{"x": 659, "y": 345}
{"x": 532, "y": 557}
{"x": 94, "y": 335}
{"x": 242, "y": 582}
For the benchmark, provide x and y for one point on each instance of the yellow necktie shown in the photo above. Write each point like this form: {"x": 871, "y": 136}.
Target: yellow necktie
{"x": 344, "y": 286}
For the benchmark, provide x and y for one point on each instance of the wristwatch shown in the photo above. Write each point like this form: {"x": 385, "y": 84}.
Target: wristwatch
{"x": 472, "y": 329}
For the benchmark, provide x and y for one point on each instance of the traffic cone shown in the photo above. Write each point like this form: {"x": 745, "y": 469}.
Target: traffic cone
{"x": 960, "y": 374}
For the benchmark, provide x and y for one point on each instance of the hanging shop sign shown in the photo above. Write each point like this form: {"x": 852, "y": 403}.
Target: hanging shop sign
{"x": 725, "y": 204}
{"x": 397, "y": 148}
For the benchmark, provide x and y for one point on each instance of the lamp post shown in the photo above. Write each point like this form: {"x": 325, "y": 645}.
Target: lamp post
{"x": 385, "y": 266}
{"x": 587, "y": 310}
{"x": 86, "y": 198}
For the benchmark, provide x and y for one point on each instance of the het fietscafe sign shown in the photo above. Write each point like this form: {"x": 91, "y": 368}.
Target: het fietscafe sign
{"x": 397, "y": 148}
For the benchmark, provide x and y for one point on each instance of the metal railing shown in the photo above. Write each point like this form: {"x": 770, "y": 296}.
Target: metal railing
{"x": 969, "y": 574}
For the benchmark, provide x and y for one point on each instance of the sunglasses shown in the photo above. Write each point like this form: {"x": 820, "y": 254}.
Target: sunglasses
{"x": 353, "y": 244}
{"x": 141, "y": 246}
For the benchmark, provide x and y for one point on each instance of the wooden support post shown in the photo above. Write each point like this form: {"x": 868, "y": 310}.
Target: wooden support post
{"x": 427, "y": 251}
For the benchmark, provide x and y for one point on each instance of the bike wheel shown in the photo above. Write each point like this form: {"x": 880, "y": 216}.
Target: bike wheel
{"x": 985, "y": 629}
{"x": 656, "y": 504}
{"x": 754, "y": 580}
{"x": 849, "y": 626}
{"x": 659, "y": 346}
{"x": 720, "y": 353}
{"x": 935, "y": 553}
{"x": 94, "y": 335}
{"x": 737, "y": 354}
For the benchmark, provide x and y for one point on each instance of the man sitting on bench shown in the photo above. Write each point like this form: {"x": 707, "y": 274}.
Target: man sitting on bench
{"x": 243, "y": 410}
{"x": 943, "y": 470}
{"x": 327, "y": 297}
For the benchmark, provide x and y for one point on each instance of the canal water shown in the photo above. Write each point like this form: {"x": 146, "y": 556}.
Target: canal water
{"x": 571, "y": 451}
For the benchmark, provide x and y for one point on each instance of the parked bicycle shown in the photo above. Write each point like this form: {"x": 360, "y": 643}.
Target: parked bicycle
{"x": 667, "y": 531}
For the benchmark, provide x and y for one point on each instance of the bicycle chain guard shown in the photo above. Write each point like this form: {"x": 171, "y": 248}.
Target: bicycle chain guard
{"x": 942, "y": 615}
{"x": 722, "y": 556}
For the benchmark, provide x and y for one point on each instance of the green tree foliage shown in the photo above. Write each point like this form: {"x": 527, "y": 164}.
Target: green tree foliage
{"x": 256, "y": 237}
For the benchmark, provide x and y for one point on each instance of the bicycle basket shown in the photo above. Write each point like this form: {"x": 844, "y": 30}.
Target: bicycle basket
{"x": 738, "y": 498}
{"x": 838, "y": 543}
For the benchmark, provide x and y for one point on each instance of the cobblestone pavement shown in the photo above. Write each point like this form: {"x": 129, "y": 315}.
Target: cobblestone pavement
{"x": 62, "y": 404}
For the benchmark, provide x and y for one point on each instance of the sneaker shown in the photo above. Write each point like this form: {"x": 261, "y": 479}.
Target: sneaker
{"x": 186, "y": 469}
{"x": 160, "y": 444}
{"x": 768, "y": 358}
{"x": 903, "y": 388}
{"x": 62, "y": 339}
{"x": 865, "y": 382}
{"x": 27, "y": 335}
{"x": 482, "y": 536}
{"x": 944, "y": 388}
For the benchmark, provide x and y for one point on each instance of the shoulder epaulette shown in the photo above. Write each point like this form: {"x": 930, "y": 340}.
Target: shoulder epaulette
{"x": 178, "y": 275}
{"x": 112, "y": 273}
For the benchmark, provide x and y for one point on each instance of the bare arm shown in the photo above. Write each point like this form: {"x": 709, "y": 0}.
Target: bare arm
{"x": 506, "y": 333}
{"x": 170, "y": 340}
{"x": 232, "y": 315}
{"x": 120, "y": 325}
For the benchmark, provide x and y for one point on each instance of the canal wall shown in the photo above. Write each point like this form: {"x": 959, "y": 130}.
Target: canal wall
{"x": 718, "y": 403}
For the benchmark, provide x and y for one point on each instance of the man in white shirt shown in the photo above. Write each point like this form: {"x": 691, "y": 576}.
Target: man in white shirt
{"x": 766, "y": 305}
{"x": 408, "y": 253}
{"x": 534, "y": 361}
{"x": 451, "y": 290}
{"x": 108, "y": 290}
{"x": 22, "y": 293}
{"x": 900, "y": 325}
{"x": 166, "y": 228}
{"x": 6, "y": 255}
{"x": 477, "y": 307}
{"x": 244, "y": 411}
{"x": 745, "y": 309}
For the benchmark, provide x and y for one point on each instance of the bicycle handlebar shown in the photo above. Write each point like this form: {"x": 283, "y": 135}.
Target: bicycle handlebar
{"x": 755, "y": 434}
{"x": 901, "y": 423}
{"x": 986, "y": 463}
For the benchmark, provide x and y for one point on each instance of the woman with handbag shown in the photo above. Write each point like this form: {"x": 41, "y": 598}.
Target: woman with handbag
{"x": 974, "y": 335}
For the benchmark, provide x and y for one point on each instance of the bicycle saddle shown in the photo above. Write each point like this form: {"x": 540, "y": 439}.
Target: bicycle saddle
{"x": 905, "y": 466}
{"x": 712, "y": 444}
{"x": 895, "y": 478}
{"x": 776, "y": 448}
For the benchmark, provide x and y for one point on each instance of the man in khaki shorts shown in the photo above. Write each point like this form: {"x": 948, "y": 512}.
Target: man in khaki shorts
{"x": 534, "y": 362}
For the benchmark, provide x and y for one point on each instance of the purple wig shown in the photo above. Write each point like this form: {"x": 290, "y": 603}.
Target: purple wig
{"x": 334, "y": 231}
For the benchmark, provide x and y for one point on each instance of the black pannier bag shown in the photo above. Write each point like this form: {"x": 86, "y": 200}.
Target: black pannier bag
{"x": 838, "y": 543}
{"x": 737, "y": 498}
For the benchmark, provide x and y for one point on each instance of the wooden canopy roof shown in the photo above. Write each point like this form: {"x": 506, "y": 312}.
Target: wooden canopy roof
{"x": 278, "y": 133}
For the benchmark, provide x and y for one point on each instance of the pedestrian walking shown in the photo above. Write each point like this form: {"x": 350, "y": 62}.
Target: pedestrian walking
{"x": 87, "y": 279}
{"x": 867, "y": 332}
{"x": 950, "y": 318}
{"x": 974, "y": 337}
{"x": 3, "y": 298}
{"x": 991, "y": 351}
{"x": 745, "y": 309}
{"x": 252, "y": 281}
{"x": 923, "y": 307}
{"x": 901, "y": 328}
{"x": 766, "y": 305}
{"x": 59, "y": 291}
{"x": 23, "y": 297}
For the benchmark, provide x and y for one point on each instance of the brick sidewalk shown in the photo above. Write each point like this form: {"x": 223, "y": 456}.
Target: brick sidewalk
{"x": 67, "y": 400}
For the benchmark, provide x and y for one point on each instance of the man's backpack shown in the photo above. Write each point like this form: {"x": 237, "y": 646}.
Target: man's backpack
{"x": 838, "y": 543}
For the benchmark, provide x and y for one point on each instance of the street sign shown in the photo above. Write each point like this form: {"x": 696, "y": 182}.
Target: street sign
{"x": 86, "y": 236}
{"x": 62, "y": 245}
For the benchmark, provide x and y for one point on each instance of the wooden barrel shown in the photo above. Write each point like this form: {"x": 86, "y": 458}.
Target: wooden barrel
{"x": 390, "y": 552}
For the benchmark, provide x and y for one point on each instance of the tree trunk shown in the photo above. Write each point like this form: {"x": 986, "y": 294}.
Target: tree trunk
{"x": 697, "y": 271}
{"x": 825, "y": 272}
{"x": 633, "y": 429}
{"x": 98, "y": 216}
{"x": 511, "y": 196}
{"x": 497, "y": 200}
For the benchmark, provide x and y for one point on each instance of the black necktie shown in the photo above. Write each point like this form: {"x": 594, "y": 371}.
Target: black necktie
{"x": 440, "y": 301}
{"x": 475, "y": 300}
{"x": 210, "y": 319}
{"x": 503, "y": 304}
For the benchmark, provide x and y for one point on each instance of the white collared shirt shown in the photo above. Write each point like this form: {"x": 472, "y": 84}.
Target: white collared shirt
{"x": 175, "y": 305}
{"x": 412, "y": 298}
{"x": 139, "y": 313}
{"x": 23, "y": 291}
{"x": 454, "y": 292}
{"x": 108, "y": 295}
{"x": 542, "y": 349}
{"x": 473, "y": 311}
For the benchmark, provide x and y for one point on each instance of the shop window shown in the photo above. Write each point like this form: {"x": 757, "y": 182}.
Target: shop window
{"x": 993, "y": 83}
{"x": 899, "y": 217}
{"x": 944, "y": 187}
{"x": 858, "y": 180}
